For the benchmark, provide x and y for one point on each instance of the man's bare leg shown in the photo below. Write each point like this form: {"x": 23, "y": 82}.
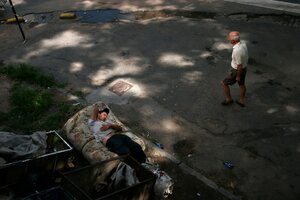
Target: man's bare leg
{"x": 242, "y": 94}
{"x": 227, "y": 92}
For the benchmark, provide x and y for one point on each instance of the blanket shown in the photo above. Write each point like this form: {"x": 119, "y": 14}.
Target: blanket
{"x": 17, "y": 147}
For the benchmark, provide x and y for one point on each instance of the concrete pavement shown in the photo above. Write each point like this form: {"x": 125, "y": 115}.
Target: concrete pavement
{"x": 175, "y": 65}
{"x": 288, "y": 6}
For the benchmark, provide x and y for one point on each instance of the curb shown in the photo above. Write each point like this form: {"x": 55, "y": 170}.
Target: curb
{"x": 160, "y": 152}
{"x": 63, "y": 15}
{"x": 14, "y": 20}
{"x": 67, "y": 15}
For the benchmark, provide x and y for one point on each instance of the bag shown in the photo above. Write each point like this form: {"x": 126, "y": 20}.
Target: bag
{"x": 164, "y": 183}
{"x": 123, "y": 177}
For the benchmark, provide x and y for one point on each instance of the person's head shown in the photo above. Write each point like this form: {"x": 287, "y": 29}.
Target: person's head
{"x": 102, "y": 114}
{"x": 234, "y": 37}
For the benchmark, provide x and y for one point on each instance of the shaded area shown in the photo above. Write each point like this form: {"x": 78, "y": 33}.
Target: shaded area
{"x": 114, "y": 15}
{"x": 39, "y": 17}
{"x": 102, "y": 15}
{"x": 31, "y": 100}
{"x": 178, "y": 64}
{"x": 284, "y": 19}
{"x": 187, "y": 186}
{"x": 290, "y": 1}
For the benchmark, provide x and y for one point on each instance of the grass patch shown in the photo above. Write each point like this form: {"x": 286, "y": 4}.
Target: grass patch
{"x": 33, "y": 106}
{"x": 79, "y": 94}
{"x": 30, "y": 101}
{"x": 58, "y": 116}
{"x": 52, "y": 119}
{"x": 27, "y": 73}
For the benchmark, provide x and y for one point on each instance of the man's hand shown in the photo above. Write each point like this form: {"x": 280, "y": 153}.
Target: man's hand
{"x": 112, "y": 126}
{"x": 239, "y": 72}
{"x": 105, "y": 127}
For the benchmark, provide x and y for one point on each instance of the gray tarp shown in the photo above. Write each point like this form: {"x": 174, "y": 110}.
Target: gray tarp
{"x": 17, "y": 147}
{"x": 2, "y": 4}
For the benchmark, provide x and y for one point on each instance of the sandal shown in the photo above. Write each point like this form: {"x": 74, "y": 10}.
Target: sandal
{"x": 226, "y": 103}
{"x": 240, "y": 104}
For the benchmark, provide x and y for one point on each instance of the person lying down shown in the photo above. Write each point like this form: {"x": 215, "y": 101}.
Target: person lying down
{"x": 108, "y": 133}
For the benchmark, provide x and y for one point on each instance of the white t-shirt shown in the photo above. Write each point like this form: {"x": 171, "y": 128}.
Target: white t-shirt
{"x": 239, "y": 55}
{"x": 95, "y": 126}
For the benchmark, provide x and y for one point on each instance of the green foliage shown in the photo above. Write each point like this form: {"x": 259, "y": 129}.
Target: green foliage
{"x": 52, "y": 119}
{"x": 27, "y": 73}
{"x": 79, "y": 94}
{"x": 33, "y": 105}
{"x": 57, "y": 117}
{"x": 30, "y": 101}
{"x": 3, "y": 116}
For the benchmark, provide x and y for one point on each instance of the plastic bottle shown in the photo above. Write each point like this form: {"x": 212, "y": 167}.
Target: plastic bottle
{"x": 228, "y": 165}
{"x": 159, "y": 145}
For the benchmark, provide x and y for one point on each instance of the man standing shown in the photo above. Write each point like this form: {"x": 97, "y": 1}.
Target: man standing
{"x": 238, "y": 71}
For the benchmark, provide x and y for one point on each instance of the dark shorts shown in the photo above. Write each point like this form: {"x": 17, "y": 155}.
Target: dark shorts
{"x": 231, "y": 79}
{"x": 122, "y": 145}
